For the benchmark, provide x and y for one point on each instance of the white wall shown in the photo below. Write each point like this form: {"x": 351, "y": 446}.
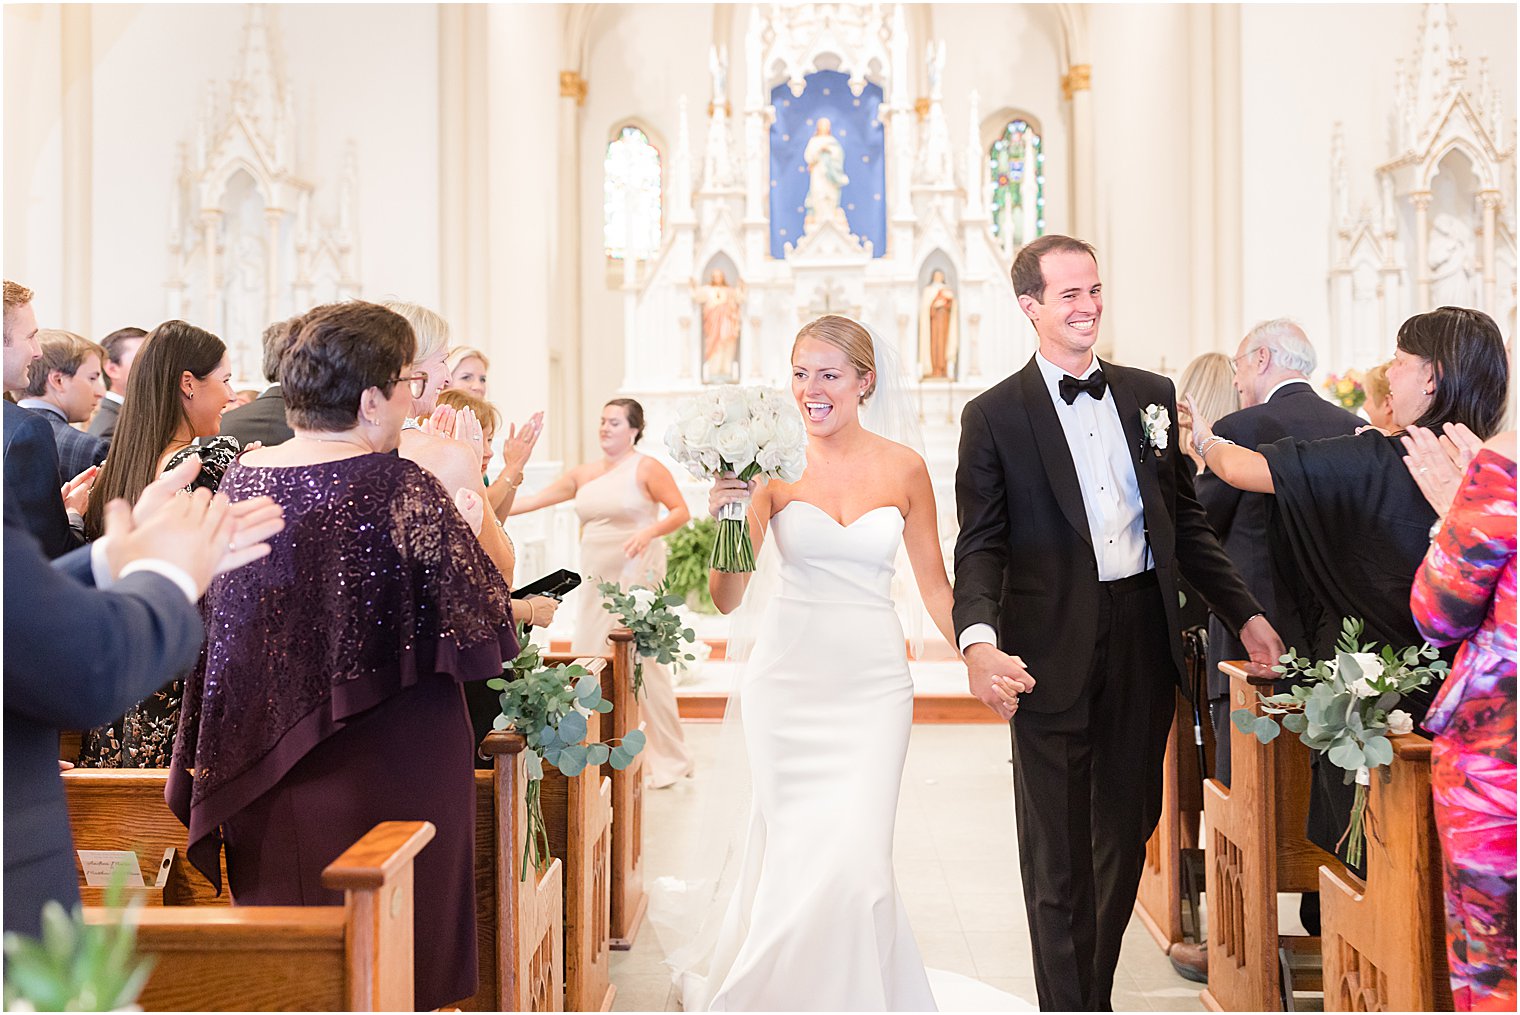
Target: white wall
{"x": 1304, "y": 68}
{"x": 368, "y": 72}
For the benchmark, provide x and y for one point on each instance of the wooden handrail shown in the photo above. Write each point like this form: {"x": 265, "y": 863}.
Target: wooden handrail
{"x": 502, "y": 743}
{"x": 1411, "y": 747}
{"x": 379, "y": 856}
{"x": 1242, "y": 668}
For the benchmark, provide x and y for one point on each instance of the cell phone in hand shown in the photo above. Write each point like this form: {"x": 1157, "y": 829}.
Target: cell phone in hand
{"x": 556, "y": 586}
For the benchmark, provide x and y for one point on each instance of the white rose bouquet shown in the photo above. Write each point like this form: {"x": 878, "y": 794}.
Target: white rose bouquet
{"x": 747, "y": 432}
{"x": 1344, "y": 709}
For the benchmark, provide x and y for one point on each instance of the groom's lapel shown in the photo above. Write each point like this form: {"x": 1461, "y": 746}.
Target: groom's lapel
{"x": 1055, "y": 455}
{"x": 1129, "y": 418}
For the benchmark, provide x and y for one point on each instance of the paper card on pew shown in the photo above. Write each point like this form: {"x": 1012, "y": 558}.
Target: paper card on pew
{"x": 101, "y": 864}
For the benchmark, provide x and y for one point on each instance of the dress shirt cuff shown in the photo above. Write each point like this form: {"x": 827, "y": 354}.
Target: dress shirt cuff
{"x": 978, "y": 634}
{"x": 76, "y": 520}
{"x": 173, "y": 572}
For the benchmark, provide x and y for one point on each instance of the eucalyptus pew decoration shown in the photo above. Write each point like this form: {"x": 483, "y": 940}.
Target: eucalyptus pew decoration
{"x": 1343, "y": 708}
{"x": 548, "y": 705}
{"x": 657, "y": 630}
{"x": 76, "y": 966}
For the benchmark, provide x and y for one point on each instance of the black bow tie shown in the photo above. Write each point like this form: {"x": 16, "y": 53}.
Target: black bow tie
{"x": 1094, "y": 385}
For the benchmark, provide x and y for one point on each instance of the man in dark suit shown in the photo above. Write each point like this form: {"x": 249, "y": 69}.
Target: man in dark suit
{"x": 31, "y": 454}
{"x": 76, "y": 656}
{"x": 263, "y": 419}
{"x": 1077, "y": 517}
{"x": 1272, "y": 368}
{"x": 63, "y": 386}
{"x": 121, "y": 348}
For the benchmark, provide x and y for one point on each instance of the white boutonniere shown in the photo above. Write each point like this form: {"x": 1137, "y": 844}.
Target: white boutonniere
{"x": 1155, "y": 422}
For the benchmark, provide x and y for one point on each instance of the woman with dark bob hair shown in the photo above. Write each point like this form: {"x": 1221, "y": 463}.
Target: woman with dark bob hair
{"x": 1350, "y": 516}
{"x": 328, "y": 698}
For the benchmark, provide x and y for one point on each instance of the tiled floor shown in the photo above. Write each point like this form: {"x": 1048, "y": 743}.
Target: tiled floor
{"x": 957, "y": 868}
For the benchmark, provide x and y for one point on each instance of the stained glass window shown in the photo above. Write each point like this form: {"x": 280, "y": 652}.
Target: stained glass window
{"x": 631, "y": 202}
{"x": 1017, "y": 168}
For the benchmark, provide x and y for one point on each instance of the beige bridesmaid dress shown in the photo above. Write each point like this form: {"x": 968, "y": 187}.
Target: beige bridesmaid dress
{"x": 612, "y": 508}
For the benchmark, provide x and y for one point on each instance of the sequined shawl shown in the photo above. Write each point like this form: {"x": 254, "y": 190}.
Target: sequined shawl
{"x": 375, "y": 584}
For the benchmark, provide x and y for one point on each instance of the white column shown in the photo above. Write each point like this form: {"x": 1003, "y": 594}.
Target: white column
{"x": 1490, "y": 201}
{"x": 1421, "y": 201}
{"x": 76, "y": 69}
{"x": 463, "y": 172}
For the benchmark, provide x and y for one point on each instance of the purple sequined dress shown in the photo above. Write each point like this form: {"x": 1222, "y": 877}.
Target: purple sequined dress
{"x": 328, "y": 698}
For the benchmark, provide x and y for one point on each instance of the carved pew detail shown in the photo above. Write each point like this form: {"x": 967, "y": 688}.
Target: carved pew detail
{"x": 1384, "y": 939}
{"x": 578, "y": 812}
{"x": 354, "y": 957}
{"x": 629, "y": 900}
{"x": 519, "y": 922}
{"x": 1158, "y": 903}
{"x": 1255, "y": 849}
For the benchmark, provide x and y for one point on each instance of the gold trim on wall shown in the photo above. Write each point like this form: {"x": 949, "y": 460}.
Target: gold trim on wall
{"x": 921, "y": 107}
{"x": 572, "y": 86}
{"x": 1078, "y": 79}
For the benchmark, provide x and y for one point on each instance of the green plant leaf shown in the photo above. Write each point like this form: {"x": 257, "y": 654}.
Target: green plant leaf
{"x": 1244, "y": 719}
{"x": 1346, "y": 754}
{"x": 597, "y": 754}
{"x": 1295, "y": 722}
{"x": 604, "y": 706}
{"x": 633, "y": 741}
{"x": 1266, "y": 730}
{"x": 619, "y": 758}
{"x": 1378, "y": 751}
{"x": 572, "y": 761}
{"x": 572, "y": 728}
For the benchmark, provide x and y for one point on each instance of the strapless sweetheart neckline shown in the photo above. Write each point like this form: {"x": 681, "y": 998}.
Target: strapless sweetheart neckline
{"x": 836, "y": 521}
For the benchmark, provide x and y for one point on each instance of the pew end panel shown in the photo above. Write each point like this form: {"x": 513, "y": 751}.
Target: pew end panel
{"x": 1256, "y": 848}
{"x": 1384, "y": 938}
{"x": 578, "y": 813}
{"x": 629, "y": 899}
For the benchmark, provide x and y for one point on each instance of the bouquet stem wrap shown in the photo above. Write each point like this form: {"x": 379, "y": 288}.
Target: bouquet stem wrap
{"x": 733, "y": 552}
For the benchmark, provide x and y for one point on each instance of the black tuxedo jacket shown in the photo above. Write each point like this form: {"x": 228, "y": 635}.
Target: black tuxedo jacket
{"x": 1242, "y": 520}
{"x": 1024, "y": 561}
{"x": 262, "y": 419}
{"x": 75, "y": 657}
{"x": 31, "y": 480}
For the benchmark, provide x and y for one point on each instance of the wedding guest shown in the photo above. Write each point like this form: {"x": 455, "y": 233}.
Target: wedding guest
{"x": 452, "y": 454}
{"x": 76, "y": 654}
{"x": 361, "y": 718}
{"x": 1379, "y": 404}
{"x": 467, "y": 370}
{"x": 178, "y": 388}
{"x": 63, "y": 386}
{"x": 263, "y": 419}
{"x": 516, "y": 448}
{"x": 618, "y": 500}
{"x": 121, "y": 348}
{"x": 1356, "y": 522}
{"x": 1210, "y": 380}
{"x": 31, "y": 453}
{"x": 1465, "y": 592}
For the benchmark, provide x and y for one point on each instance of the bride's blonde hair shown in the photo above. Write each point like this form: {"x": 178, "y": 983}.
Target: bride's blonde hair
{"x": 849, "y": 337}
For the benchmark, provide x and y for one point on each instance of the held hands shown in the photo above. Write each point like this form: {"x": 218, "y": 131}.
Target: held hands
{"x": 1438, "y": 463}
{"x": 726, "y": 490}
{"x": 76, "y": 492}
{"x": 518, "y": 446}
{"x": 996, "y": 678}
{"x": 1262, "y": 644}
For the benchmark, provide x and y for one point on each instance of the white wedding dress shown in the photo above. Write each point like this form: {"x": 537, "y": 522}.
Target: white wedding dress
{"x": 815, "y": 921}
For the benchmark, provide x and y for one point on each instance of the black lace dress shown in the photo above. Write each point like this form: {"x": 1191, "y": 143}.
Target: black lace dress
{"x": 144, "y": 737}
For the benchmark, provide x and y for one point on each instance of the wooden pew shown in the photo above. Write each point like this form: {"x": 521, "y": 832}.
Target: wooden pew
{"x": 1163, "y": 885}
{"x": 354, "y": 957}
{"x": 519, "y": 922}
{"x": 1255, "y": 848}
{"x": 1385, "y": 938}
{"x": 578, "y": 812}
{"x": 124, "y": 808}
{"x": 629, "y": 900}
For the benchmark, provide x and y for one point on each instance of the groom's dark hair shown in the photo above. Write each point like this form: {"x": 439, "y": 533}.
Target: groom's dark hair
{"x": 1027, "y": 279}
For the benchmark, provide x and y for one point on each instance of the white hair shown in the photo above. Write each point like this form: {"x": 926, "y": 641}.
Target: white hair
{"x": 431, "y": 330}
{"x": 1285, "y": 340}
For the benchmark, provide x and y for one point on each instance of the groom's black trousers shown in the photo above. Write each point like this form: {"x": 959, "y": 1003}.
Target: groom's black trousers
{"x": 1087, "y": 795}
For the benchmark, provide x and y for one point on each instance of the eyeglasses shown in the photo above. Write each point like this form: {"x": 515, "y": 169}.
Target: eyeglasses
{"x": 418, "y": 382}
{"x": 1249, "y": 353}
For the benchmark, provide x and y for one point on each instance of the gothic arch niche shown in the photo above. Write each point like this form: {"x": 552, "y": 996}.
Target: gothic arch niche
{"x": 938, "y": 319}
{"x": 1453, "y": 243}
{"x": 246, "y": 267}
{"x": 720, "y": 339}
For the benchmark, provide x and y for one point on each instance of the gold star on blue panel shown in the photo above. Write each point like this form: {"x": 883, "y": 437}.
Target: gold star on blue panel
{"x": 799, "y": 209}
{"x": 857, "y": 102}
{"x": 865, "y": 158}
{"x": 826, "y": 91}
{"x": 783, "y": 232}
{"x": 786, "y": 137}
{"x": 842, "y": 132}
{"x": 876, "y": 197}
{"x": 850, "y": 206}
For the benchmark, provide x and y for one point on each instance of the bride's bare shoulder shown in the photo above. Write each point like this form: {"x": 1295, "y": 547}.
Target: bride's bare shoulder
{"x": 900, "y": 455}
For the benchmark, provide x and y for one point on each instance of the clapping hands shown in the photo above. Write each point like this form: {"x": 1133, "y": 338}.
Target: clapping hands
{"x": 519, "y": 444}
{"x": 457, "y": 424}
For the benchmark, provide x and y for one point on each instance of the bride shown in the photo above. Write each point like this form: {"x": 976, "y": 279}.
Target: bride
{"x": 815, "y": 920}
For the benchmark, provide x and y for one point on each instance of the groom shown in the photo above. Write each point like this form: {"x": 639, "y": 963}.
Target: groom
{"x": 1077, "y": 518}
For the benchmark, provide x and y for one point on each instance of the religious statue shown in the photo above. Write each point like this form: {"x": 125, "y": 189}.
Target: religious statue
{"x": 720, "y": 303}
{"x": 937, "y": 333}
{"x": 824, "y": 156}
{"x": 1453, "y": 267}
